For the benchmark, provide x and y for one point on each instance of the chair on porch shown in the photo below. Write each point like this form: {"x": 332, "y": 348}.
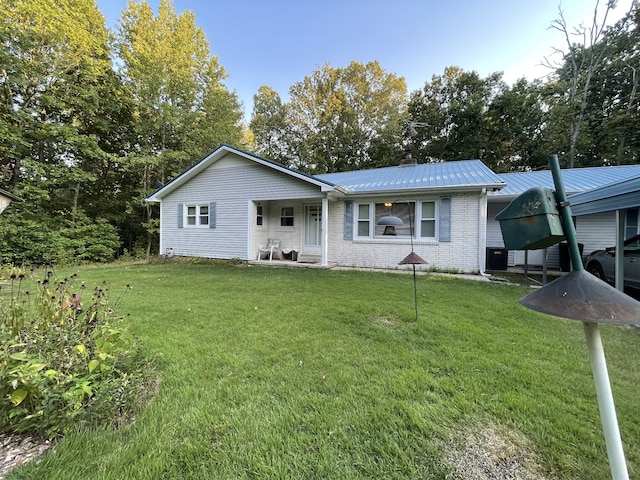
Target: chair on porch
{"x": 273, "y": 245}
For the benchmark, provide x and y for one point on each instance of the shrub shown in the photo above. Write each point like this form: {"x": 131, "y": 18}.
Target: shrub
{"x": 66, "y": 359}
{"x": 39, "y": 239}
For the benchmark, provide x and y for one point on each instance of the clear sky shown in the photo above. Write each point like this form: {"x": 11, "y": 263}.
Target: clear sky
{"x": 279, "y": 42}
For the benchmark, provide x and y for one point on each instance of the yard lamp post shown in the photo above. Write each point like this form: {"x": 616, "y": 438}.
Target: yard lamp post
{"x": 581, "y": 296}
{"x": 390, "y": 222}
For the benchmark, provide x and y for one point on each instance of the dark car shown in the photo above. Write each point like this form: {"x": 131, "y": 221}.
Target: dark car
{"x": 601, "y": 263}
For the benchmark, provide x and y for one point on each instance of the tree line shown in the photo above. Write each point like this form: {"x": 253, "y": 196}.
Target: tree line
{"x": 93, "y": 120}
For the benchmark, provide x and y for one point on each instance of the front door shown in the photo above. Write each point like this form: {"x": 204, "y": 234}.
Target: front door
{"x": 313, "y": 230}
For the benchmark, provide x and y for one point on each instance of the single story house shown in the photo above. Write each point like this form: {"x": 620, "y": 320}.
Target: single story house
{"x": 231, "y": 201}
{"x": 6, "y": 198}
{"x": 595, "y": 228}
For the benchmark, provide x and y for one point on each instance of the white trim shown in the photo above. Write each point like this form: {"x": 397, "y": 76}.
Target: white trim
{"x": 197, "y": 217}
{"x": 160, "y": 229}
{"x": 250, "y": 227}
{"x": 324, "y": 243}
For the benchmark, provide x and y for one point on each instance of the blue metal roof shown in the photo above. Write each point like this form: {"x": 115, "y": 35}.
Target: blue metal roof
{"x": 615, "y": 196}
{"x": 443, "y": 175}
{"x": 575, "y": 179}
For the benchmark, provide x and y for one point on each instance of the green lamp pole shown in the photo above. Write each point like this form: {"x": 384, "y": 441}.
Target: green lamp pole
{"x": 604, "y": 395}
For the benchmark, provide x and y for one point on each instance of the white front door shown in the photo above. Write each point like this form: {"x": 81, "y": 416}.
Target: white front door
{"x": 312, "y": 230}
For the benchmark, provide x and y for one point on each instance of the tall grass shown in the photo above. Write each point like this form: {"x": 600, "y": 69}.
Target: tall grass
{"x": 296, "y": 373}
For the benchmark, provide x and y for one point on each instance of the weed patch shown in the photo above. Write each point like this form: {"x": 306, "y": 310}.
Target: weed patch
{"x": 66, "y": 359}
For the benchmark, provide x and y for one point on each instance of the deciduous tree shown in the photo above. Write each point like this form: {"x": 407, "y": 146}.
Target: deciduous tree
{"x": 585, "y": 52}
{"x": 182, "y": 107}
{"x": 269, "y": 125}
{"x": 452, "y": 110}
{"x": 346, "y": 118}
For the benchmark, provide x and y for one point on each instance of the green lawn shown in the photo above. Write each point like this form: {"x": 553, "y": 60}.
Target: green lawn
{"x": 299, "y": 373}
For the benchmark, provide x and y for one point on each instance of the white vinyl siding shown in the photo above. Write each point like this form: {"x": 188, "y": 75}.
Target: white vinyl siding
{"x": 235, "y": 183}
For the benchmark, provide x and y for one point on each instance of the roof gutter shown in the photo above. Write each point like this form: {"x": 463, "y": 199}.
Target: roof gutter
{"x": 418, "y": 191}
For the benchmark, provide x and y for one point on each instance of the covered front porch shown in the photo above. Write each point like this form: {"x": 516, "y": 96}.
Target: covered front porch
{"x": 289, "y": 231}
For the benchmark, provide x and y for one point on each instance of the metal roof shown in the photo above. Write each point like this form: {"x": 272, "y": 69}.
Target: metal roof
{"x": 444, "y": 175}
{"x": 575, "y": 179}
{"x": 615, "y": 196}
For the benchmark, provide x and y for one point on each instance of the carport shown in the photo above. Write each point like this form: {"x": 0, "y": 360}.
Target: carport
{"x": 615, "y": 197}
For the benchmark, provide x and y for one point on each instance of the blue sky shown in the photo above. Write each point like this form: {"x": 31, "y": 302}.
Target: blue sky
{"x": 279, "y": 42}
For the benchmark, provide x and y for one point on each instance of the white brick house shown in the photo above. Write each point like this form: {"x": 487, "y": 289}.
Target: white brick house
{"x": 230, "y": 202}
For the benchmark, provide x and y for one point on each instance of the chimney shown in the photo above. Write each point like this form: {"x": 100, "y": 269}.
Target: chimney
{"x": 408, "y": 159}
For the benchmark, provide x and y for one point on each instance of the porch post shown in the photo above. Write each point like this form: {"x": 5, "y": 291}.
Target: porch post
{"x": 619, "y": 260}
{"x": 325, "y": 231}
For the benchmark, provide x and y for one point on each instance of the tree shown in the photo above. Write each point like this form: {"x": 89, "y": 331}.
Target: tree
{"x": 612, "y": 111}
{"x": 51, "y": 56}
{"x": 55, "y": 68}
{"x": 182, "y": 108}
{"x": 452, "y": 109}
{"x": 515, "y": 123}
{"x": 269, "y": 126}
{"x": 346, "y": 118}
{"x": 580, "y": 62}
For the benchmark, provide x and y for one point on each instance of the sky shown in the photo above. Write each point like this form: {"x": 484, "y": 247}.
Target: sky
{"x": 279, "y": 42}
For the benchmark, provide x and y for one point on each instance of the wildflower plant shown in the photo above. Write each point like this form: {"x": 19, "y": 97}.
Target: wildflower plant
{"x": 66, "y": 359}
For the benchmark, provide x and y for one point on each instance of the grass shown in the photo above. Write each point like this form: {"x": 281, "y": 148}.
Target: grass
{"x": 300, "y": 373}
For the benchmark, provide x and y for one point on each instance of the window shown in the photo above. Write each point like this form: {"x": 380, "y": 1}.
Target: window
{"x": 364, "y": 220}
{"x": 419, "y": 216}
{"x": 286, "y": 217}
{"x": 405, "y": 211}
{"x": 428, "y": 220}
{"x": 259, "y": 215}
{"x": 197, "y": 215}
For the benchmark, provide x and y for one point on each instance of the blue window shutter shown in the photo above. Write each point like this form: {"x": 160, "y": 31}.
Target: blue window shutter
{"x": 180, "y": 211}
{"x": 445, "y": 219}
{"x": 348, "y": 220}
{"x": 212, "y": 215}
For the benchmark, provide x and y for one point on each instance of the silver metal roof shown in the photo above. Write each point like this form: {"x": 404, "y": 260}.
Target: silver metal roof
{"x": 443, "y": 175}
{"x": 575, "y": 179}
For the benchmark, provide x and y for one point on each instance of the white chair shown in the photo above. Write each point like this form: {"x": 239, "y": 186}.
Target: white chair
{"x": 273, "y": 245}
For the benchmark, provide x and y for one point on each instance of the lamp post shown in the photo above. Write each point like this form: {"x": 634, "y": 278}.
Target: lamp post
{"x": 413, "y": 259}
{"x": 578, "y": 296}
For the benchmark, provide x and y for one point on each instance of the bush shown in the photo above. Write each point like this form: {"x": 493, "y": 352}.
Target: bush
{"x": 66, "y": 361}
{"x": 39, "y": 239}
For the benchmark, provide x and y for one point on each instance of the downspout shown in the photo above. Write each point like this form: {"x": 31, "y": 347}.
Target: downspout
{"x": 482, "y": 237}
{"x": 325, "y": 231}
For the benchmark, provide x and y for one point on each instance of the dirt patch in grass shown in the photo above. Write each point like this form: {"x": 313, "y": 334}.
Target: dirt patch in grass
{"x": 490, "y": 452}
{"x": 387, "y": 321}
